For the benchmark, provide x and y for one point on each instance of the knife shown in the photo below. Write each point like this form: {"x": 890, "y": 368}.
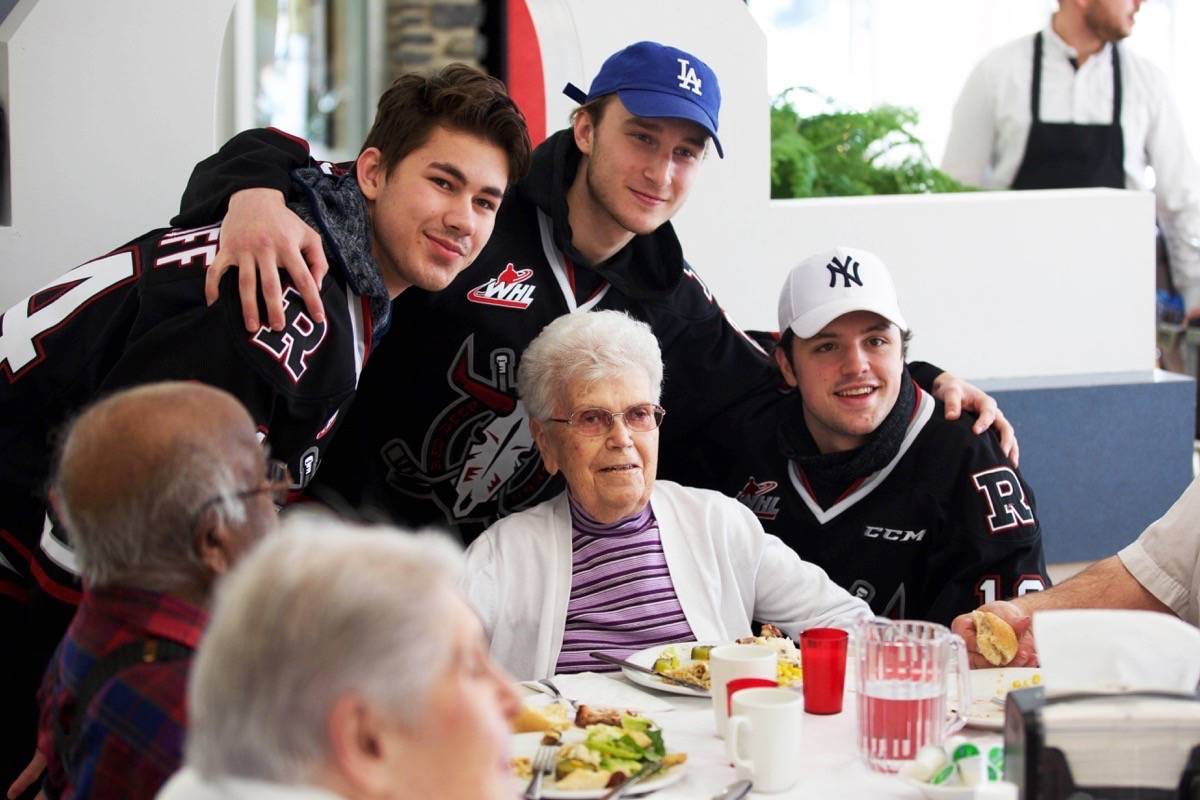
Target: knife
{"x": 620, "y": 662}
{"x": 735, "y": 791}
{"x": 647, "y": 771}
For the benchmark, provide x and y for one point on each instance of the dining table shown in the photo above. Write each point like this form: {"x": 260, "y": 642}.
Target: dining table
{"x": 831, "y": 766}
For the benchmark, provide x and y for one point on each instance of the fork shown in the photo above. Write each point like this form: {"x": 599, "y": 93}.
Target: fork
{"x": 549, "y": 684}
{"x": 543, "y": 764}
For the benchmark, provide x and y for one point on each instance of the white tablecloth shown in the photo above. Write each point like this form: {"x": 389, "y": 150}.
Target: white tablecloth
{"x": 831, "y": 765}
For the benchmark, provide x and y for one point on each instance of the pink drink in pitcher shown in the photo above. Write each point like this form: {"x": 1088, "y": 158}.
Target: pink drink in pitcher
{"x": 897, "y": 718}
{"x": 903, "y": 669}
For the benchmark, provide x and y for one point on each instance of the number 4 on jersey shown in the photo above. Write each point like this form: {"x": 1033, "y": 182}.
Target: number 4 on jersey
{"x": 23, "y": 326}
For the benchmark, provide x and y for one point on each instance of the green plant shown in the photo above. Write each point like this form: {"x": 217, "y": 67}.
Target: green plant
{"x": 841, "y": 153}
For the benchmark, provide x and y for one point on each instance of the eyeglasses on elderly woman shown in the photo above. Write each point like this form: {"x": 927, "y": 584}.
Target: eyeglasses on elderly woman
{"x": 642, "y": 418}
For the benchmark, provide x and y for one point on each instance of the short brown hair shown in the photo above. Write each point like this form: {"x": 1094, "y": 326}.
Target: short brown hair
{"x": 458, "y": 97}
{"x": 593, "y": 108}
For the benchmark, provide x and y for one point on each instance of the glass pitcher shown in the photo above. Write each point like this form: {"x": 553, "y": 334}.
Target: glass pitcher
{"x": 903, "y": 677}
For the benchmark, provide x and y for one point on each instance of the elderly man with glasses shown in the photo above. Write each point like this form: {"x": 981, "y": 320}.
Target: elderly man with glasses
{"x": 162, "y": 489}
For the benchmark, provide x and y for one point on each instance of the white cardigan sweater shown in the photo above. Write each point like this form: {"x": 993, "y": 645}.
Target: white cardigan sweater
{"x": 727, "y": 571}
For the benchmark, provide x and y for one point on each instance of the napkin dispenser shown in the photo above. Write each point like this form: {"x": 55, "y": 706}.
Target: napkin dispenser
{"x": 1136, "y": 745}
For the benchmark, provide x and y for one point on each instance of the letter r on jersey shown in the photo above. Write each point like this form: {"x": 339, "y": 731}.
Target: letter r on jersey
{"x": 1005, "y": 497}
{"x": 299, "y": 338}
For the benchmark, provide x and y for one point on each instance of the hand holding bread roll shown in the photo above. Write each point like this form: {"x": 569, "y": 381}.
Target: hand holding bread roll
{"x": 994, "y": 638}
{"x": 989, "y": 652}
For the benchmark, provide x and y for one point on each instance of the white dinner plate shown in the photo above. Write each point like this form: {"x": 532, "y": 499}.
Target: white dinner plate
{"x": 526, "y": 744}
{"x": 989, "y": 683}
{"x": 647, "y": 657}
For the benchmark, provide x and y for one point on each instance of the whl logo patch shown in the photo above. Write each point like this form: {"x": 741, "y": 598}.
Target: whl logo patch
{"x": 757, "y": 496}
{"x": 506, "y": 290}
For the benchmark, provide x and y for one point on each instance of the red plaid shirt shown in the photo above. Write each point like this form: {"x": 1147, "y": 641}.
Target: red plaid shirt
{"x": 131, "y": 739}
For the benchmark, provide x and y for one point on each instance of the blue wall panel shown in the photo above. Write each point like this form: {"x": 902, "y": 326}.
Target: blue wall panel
{"x": 1105, "y": 454}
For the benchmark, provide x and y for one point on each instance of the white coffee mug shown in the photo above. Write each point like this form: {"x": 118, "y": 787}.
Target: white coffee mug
{"x": 764, "y": 737}
{"x": 731, "y": 661}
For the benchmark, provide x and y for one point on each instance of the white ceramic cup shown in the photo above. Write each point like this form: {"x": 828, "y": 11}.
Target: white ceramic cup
{"x": 731, "y": 661}
{"x": 764, "y": 737}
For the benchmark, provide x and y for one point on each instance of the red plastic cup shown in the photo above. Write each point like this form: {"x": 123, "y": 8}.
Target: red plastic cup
{"x": 823, "y": 659}
{"x": 737, "y": 684}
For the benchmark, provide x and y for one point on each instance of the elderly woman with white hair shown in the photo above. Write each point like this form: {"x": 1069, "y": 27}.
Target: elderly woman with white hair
{"x": 619, "y": 562}
{"x": 343, "y": 662}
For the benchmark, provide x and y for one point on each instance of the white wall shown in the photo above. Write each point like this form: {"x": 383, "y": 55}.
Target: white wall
{"x": 995, "y": 285}
{"x": 109, "y": 105}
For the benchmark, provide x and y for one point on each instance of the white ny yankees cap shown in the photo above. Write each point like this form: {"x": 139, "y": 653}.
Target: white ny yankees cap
{"x": 825, "y": 286}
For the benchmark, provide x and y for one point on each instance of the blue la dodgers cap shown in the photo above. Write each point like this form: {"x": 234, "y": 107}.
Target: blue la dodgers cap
{"x": 655, "y": 80}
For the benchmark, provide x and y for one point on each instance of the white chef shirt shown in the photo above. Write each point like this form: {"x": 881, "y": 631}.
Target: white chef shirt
{"x": 992, "y": 118}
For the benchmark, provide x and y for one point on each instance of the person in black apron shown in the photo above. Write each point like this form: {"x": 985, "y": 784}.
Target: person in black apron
{"x": 1069, "y": 155}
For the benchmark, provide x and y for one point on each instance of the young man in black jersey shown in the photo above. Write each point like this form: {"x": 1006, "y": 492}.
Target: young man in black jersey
{"x": 860, "y": 472}
{"x": 413, "y": 210}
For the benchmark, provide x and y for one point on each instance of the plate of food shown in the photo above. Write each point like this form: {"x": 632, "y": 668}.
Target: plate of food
{"x": 598, "y": 749}
{"x": 688, "y": 662}
{"x": 991, "y": 685}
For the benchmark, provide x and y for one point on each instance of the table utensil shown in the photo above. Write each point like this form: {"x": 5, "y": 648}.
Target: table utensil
{"x": 763, "y": 739}
{"x": 823, "y": 659}
{"x": 549, "y": 684}
{"x": 735, "y": 791}
{"x": 647, "y": 772}
{"x": 620, "y": 662}
{"x": 903, "y": 668}
{"x": 731, "y": 661}
{"x": 543, "y": 765}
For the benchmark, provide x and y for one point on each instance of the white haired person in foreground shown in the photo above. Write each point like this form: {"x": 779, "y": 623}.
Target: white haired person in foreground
{"x": 618, "y": 562}
{"x": 342, "y": 662}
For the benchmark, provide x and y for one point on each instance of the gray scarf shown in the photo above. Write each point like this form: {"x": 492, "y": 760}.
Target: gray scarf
{"x": 336, "y": 208}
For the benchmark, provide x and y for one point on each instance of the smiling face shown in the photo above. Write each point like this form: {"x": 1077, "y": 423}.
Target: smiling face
{"x": 848, "y": 376}
{"x": 434, "y": 212}
{"x": 611, "y": 475}
{"x": 637, "y": 170}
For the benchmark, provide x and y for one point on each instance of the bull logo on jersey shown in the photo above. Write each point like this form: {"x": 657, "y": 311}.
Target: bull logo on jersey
{"x": 1005, "y": 497}
{"x": 479, "y": 451}
{"x": 507, "y": 290}
{"x": 756, "y": 496}
{"x": 300, "y": 337}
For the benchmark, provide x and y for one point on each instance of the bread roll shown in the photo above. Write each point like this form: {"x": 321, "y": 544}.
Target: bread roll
{"x": 544, "y": 719}
{"x": 994, "y": 638}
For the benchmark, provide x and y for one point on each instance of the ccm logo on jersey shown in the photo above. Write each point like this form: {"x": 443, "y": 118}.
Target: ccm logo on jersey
{"x": 507, "y": 290}
{"x": 754, "y": 495}
{"x": 300, "y": 337}
{"x": 893, "y": 534}
{"x": 1005, "y": 497}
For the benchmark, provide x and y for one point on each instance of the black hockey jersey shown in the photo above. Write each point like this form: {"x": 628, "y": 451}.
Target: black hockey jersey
{"x": 138, "y": 315}
{"x": 947, "y": 525}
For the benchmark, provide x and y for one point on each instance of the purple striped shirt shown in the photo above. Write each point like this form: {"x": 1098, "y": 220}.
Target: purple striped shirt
{"x": 622, "y": 597}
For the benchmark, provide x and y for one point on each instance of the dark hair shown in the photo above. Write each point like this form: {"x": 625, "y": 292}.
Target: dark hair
{"x": 457, "y": 97}
{"x": 593, "y": 108}
{"x": 788, "y": 336}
